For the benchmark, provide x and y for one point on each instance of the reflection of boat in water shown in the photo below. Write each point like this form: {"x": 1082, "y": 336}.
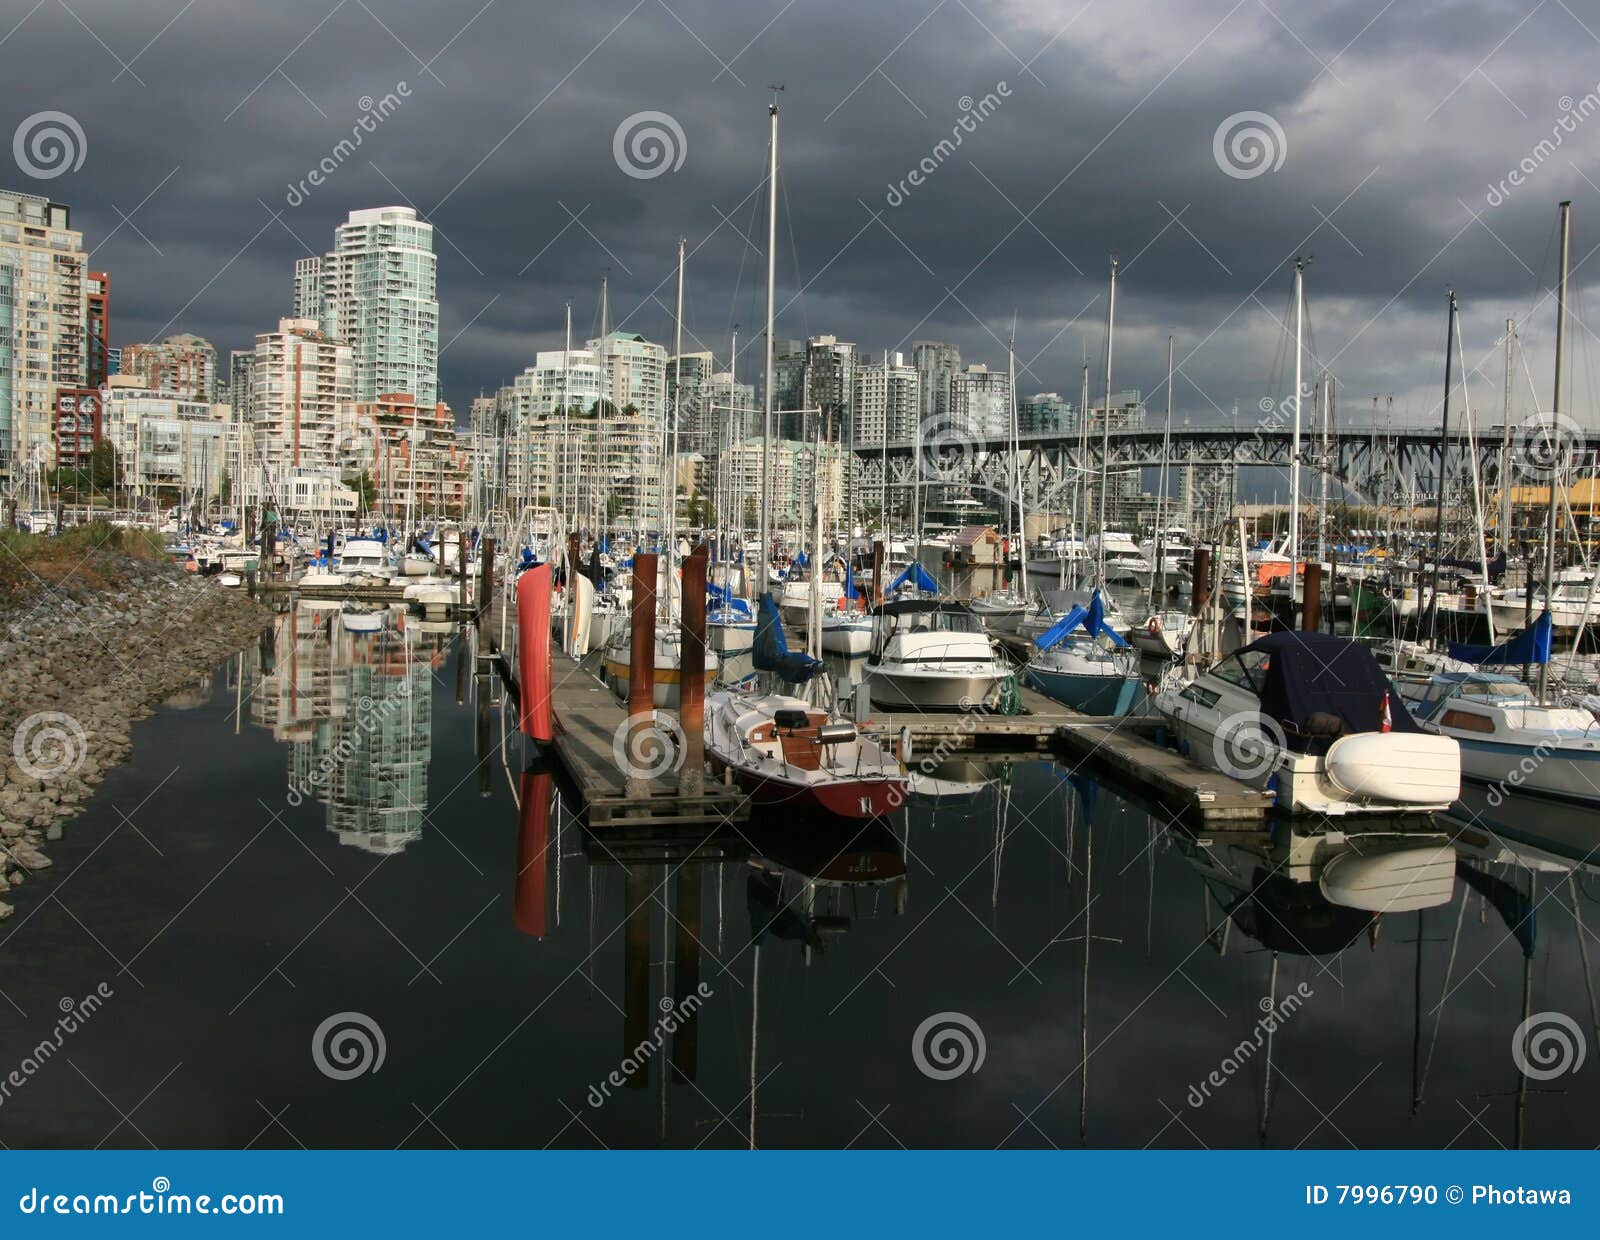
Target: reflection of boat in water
{"x": 357, "y": 618}
{"x": 953, "y": 780}
{"x": 806, "y": 886}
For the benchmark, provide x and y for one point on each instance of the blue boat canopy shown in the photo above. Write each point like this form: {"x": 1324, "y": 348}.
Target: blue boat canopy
{"x": 1532, "y": 645}
{"x": 915, "y": 575}
{"x": 772, "y": 653}
{"x": 1093, "y": 619}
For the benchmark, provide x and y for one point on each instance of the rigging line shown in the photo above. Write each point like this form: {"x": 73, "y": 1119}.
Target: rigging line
{"x": 794, "y": 250}
{"x": 746, "y": 243}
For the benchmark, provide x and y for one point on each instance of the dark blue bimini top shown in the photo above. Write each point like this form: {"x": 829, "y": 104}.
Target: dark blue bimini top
{"x": 1310, "y": 673}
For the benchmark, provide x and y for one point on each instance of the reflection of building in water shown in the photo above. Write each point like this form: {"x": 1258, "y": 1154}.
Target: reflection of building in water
{"x": 356, "y": 711}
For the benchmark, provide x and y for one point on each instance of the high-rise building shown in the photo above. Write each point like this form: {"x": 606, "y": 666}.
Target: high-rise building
{"x": 937, "y": 364}
{"x": 1045, "y": 413}
{"x": 635, "y": 373}
{"x": 79, "y": 426}
{"x": 168, "y": 446}
{"x": 801, "y": 476}
{"x": 980, "y": 402}
{"x": 788, "y": 382}
{"x": 888, "y": 398}
{"x": 41, "y": 326}
{"x": 691, "y": 372}
{"x": 302, "y": 388}
{"x": 184, "y": 365}
{"x": 241, "y": 383}
{"x": 830, "y": 376}
{"x": 97, "y": 328}
{"x": 377, "y": 291}
{"x": 411, "y": 453}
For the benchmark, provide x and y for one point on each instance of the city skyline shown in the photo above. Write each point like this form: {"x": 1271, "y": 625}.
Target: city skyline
{"x": 1406, "y": 151}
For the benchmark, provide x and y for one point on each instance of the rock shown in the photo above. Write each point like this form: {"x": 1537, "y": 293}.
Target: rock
{"x": 5, "y": 910}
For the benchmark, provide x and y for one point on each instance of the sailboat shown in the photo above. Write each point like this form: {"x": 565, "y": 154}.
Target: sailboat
{"x": 1164, "y": 632}
{"x": 1096, "y": 672}
{"x": 783, "y": 750}
{"x": 847, "y": 630}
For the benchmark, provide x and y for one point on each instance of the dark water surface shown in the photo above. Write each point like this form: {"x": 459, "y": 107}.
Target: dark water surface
{"x": 309, "y": 835}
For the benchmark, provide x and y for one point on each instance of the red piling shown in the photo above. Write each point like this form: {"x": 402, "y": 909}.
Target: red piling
{"x": 692, "y": 673}
{"x": 533, "y": 652}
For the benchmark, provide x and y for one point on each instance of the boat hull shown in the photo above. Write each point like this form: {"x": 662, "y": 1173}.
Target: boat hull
{"x": 920, "y": 691}
{"x": 843, "y": 798}
{"x": 1092, "y": 695}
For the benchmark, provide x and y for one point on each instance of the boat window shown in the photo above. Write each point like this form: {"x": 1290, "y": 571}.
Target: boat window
{"x": 1232, "y": 671}
{"x": 1467, "y": 721}
{"x": 1205, "y": 697}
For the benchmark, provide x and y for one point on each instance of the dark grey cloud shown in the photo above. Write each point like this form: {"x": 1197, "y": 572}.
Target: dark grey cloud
{"x": 1397, "y": 121}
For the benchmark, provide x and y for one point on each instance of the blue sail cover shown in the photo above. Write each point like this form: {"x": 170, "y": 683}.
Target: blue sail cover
{"x": 772, "y": 653}
{"x": 850, "y": 590}
{"x": 1093, "y": 619}
{"x": 1532, "y": 645}
{"x": 917, "y": 576}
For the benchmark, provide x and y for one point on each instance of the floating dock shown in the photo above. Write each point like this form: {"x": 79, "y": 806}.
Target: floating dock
{"x": 589, "y": 721}
{"x": 1158, "y": 777}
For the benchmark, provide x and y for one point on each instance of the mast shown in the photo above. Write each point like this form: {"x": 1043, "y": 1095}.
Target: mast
{"x": 1105, "y": 429}
{"x": 1081, "y": 532}
{"x": 1158, "y": 581}
{"x": 605, "y": 307}
{"x": 1555, "y": 429}
{"x": 566, "y": 401}
{"x": 1294, "y": 448}
{"x": 1505, "y": 444}
{"x": 669, "y": 517}
{"x": 1322, "y": 501}
{"x": 1444, "y": 456}
{"x": 1016, "y": 457}
{"x": 766, "y": 386}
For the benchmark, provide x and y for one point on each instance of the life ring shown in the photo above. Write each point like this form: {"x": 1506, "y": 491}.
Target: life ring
{"x": 1153, "y": 628}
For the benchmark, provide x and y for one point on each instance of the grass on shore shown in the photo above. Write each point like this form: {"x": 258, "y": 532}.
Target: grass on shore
{"x": 88, "y": 553}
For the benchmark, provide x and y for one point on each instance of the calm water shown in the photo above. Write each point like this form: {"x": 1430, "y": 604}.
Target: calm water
{"x": 310, "y": 834}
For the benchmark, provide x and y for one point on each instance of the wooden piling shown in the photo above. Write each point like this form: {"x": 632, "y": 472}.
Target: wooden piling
{"x": 1311, "y": 615}
{"x": 636, "y": 960}
{"x": 692, "y": 673}
{"x": 877, "y": 571}
{"x": 686, "y": 974}
{"x": 1200, "y": 593}
{"x": 641, "y": 665}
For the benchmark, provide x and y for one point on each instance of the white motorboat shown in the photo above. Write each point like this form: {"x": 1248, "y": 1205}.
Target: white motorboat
{"x": 365, "y": 561}
{"x": 932, "y": 654}
{"x": 1313, "y": 718}
{"x": 1001, "y": 611}
{"x": 1163, "y": 634}
{"x": 788, "y": 754}
{"x": 846, "y": 632}
{"x": 1513, "y": 743}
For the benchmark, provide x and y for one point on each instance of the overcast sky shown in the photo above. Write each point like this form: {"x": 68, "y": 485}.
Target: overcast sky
{"x": 1390, "y": 126}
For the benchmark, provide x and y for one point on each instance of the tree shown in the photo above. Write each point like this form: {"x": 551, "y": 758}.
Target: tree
{"x": 103, "y": 465}
{"x": 367, "y": 489}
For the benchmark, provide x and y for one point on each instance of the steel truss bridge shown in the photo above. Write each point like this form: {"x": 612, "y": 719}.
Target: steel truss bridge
{"x": 1392, "y": 466}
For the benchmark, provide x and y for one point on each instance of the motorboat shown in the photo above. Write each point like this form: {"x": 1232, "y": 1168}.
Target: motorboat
{"x": 1512, "y": 742}
{"x": 364, "y": 562}
{"x": 1001, "y": 611}
{"x": 788, "y": 754}
{"x": 932, "y": 654}
{"x": 1313, "y": 718}
{"x": 846, "y": 632}
{"x": 1163, "y": 634}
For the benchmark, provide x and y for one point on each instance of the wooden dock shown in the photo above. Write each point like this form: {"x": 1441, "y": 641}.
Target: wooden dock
{"x": 959, "y": 731}
{"x": 1160, "y": 778}
{"x": 589, "y": 720}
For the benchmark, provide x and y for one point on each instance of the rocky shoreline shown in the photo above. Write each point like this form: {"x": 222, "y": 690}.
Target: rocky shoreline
{"x": 80, "y": 660}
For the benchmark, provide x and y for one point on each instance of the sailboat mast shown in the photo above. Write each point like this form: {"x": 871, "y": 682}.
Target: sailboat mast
{"x": 669, "y": 516}
{"x": 566, "y": 401}
{"x": 1016, "y": 458}
{"x": 1444, "y": 454}
{"x": 766, "y": 386}
{"x": 1105, "y": 429}
{"x": 1081, "y": 533}
{"x": 1294, "y": 448}
{"x": 1554, "y": 430}
{"x": 1159, "y": 578}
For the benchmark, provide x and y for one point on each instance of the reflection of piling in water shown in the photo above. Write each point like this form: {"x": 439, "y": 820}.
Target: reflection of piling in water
{"x": 692, "y": 674}
{"x": 641, "y": 664}
{"x": 461, "y": 671}
{"x": 485, "y": 577}
{"x": 481, "y": 734}
{"x": 636, "y": 965}
{"x": 530, "y": 900}
{"x": 686, "y": 969}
